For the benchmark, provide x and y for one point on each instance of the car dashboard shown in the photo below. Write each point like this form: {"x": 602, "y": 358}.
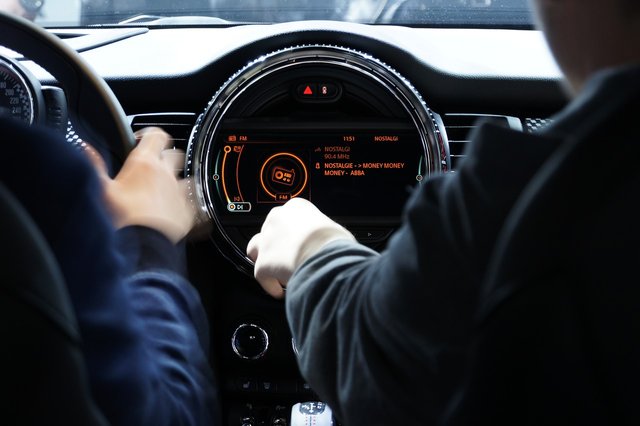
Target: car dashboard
{"x": 350, "y": 116}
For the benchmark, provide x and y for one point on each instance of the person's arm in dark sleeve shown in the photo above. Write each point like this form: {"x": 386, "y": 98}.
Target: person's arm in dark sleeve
{"x": 382, "y": 337}
{"x": 142, "y": 326}
{"x": 173, "y": 322}
{"x": 362, "y": 321}
{"x": 378, "y": 330}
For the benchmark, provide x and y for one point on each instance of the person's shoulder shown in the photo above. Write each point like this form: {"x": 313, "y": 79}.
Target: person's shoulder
{"x": 496, "y": 149}
{"x": 623, "y": 78}
{"x": 609, "y": 94}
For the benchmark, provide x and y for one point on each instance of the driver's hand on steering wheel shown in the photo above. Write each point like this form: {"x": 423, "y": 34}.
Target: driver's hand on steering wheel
{"x": 290, "y": 235}
{"x": 146, "y": 190}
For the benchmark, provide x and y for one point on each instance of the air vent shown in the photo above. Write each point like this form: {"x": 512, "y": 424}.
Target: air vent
{"x": 459, "y": 127}
{"x": 177, "y": 124}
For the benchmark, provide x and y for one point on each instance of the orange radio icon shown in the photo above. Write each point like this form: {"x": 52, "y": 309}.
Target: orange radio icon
{"x": 283, "y": 176}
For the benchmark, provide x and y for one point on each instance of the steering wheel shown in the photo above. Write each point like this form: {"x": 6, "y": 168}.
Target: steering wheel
{"x": 95, "y": 113}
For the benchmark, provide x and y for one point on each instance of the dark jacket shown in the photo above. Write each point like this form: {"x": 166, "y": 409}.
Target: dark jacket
{"x": 556, "y": 338}
{"x": 386, "y": 339}
{"x": 144, "y": 332}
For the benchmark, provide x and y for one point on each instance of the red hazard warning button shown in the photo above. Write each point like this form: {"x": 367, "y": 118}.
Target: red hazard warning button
{"x": 307, "y": 90}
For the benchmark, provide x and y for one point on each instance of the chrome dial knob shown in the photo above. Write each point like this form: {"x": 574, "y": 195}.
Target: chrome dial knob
{"x": 250, "y": 341}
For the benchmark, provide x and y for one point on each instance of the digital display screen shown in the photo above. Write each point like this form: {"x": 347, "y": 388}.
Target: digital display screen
{"x": 343, "y": 172}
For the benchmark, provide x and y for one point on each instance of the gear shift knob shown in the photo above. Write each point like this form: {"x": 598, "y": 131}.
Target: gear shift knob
{"x": 312, "y": 413}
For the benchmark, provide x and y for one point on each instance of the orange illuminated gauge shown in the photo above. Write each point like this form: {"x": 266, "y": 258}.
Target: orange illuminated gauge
{"x": 232, "y": 155}
{"x": 283, "y": 176}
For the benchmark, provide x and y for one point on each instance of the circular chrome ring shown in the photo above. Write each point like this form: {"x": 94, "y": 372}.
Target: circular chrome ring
{"x": 260, "y": 330}
{"x": 209, "y": 123}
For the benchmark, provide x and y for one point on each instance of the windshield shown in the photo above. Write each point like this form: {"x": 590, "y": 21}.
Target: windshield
{"x": 454, "y": 13}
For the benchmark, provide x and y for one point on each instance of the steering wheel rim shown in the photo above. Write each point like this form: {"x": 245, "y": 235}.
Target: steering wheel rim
{"x": 95, "y": 112}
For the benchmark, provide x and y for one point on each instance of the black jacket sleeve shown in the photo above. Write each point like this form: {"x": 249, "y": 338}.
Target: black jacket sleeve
{"x": 381, "y": 337}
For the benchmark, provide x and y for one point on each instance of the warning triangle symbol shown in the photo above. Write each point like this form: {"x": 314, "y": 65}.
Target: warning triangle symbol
{"x": 308, "y": 91}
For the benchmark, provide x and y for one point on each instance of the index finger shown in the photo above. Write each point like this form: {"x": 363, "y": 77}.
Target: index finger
{"x": 153, "y": 140}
